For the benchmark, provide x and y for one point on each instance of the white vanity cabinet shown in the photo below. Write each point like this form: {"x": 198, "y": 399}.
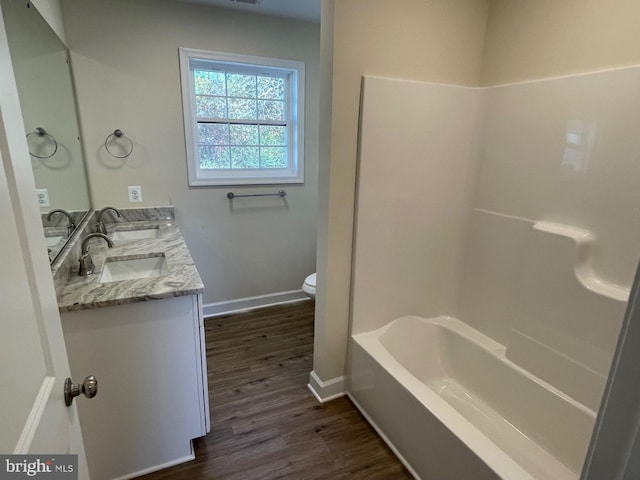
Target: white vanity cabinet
{"x": 150, "y": 361}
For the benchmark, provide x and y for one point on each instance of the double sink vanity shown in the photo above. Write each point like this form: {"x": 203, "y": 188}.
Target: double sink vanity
{"x": 136, "y": 324}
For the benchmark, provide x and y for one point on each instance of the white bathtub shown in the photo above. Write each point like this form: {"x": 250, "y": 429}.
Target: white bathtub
{"x": 454, "y": 407}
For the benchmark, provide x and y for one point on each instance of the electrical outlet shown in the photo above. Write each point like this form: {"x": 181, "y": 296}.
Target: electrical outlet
{"x": 43, "y": 197}
{"x": 135, "y": 194}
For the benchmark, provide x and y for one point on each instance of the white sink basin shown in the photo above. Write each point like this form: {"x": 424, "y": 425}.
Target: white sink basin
{"x": 116, "y": 269}
{"x": 141, "y": 234}
{"x": 54, "y": 240}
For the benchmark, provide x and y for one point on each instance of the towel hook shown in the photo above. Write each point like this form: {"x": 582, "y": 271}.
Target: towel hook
{"x": 117, "y": 133}
{"x": 41, "y": 132}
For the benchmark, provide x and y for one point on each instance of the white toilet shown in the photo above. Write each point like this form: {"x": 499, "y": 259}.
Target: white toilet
{"x": 309, "y": 285}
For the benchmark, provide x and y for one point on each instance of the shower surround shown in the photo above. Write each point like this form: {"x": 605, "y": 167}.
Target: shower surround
{"x": 503, "y": 222}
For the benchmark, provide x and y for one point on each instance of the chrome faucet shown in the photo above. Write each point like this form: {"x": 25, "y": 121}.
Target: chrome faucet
{"x": 86, "y": 262}
{"x": 100, "y": 228}
{"x": 71, "y": 227}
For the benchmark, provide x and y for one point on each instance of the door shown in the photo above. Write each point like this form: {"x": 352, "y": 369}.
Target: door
{"x": 33, "y": 358}
{"x": 614, "y": 453}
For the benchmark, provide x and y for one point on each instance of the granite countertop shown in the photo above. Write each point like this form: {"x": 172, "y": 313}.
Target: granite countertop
{"x": 182, "y": 278}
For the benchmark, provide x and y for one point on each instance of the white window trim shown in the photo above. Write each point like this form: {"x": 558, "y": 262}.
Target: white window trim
{"x": 243, "y": 177}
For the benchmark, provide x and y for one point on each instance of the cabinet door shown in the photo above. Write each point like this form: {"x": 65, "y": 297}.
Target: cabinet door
{"x": 147, "y": 356}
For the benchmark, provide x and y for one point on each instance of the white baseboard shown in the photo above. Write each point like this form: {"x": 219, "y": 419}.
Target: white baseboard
{"x": 326, "y": 391}
{"x": 391, "y": 446}
{"x": 250, "y": 303}
{"x": 156, "y": 468}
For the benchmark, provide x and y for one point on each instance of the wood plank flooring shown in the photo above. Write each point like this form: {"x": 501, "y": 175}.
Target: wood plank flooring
{"x": 265, "y": 423}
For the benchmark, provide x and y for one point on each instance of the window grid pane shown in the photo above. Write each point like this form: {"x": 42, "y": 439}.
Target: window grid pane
{"x": 225, "y": 146}
{"x": 241, "y": 86}
{"x": 214, "y": 157}
{"x": 244, "y": 135}
{"x": 248, "y": 97}
{"x": 244, "y": 157}
{"x": 273, "y": 135}
{"x": 213, "y": 134}
{"x": 243, "y": 108}
{"x": 274, "y": 157}
{"x": 271, "y": 110}
{"x": 270, "y": 88}
{"x": 211, "y": 107}
{"x": 259, "y": 141}
{"x": 210, "y": 83}
{"x": 226, "y": 97}
{"x": 226, "y": 90}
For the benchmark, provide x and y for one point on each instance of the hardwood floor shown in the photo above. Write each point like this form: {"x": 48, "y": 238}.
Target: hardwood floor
{"x": 265, "y": 423}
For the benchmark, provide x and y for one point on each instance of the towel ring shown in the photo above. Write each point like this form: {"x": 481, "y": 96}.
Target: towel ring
{"x": 118, "y": 134}
{"x": 41, "y": 132}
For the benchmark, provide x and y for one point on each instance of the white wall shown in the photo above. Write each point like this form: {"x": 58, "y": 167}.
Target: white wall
{"x": 125, "y": 59}
{"x": 51, "y": 11}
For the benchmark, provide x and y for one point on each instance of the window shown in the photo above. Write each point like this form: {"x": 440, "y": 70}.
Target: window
{"x": 243, "y": 117}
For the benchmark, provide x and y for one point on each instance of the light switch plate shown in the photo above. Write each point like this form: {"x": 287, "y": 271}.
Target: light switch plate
{"x": 135, "y": 194}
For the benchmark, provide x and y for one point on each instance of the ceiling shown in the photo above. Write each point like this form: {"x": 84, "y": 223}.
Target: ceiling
{"x": 308, "y": 10}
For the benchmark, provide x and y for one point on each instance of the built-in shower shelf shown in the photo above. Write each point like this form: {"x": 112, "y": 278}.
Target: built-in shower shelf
{"x": 583, "y": 269}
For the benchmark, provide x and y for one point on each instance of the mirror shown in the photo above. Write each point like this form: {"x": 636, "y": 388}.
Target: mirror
{"x": 45, "y": 88}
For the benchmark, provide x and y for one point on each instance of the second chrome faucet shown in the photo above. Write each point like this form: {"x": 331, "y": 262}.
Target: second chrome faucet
{"x": 100, "y": 228}
{"x": 71, "y": 226}
{"x": 86, "y": 262}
